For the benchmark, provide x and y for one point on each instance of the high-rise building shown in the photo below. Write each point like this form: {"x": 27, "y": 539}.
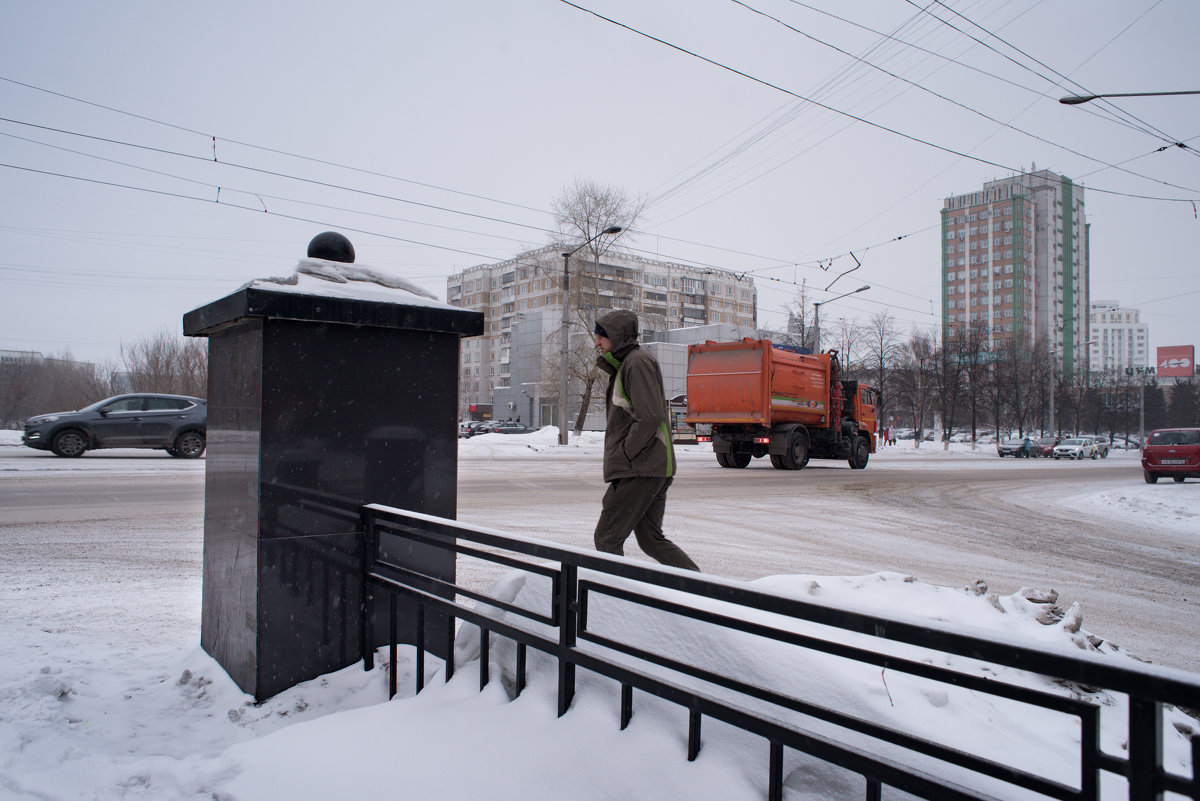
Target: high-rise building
{"x": 1015, "y": 264}
{"x": 521, "y": 299}
{"x": 1120, "y": 340}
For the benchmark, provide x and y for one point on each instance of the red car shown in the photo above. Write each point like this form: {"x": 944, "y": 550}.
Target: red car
{"x": 1173, "y": 452}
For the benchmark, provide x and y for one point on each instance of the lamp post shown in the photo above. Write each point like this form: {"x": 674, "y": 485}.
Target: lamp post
{"x": 565, "y": 352}
{"x": 1075, "y": 100}
{"x": 817, "y": 312}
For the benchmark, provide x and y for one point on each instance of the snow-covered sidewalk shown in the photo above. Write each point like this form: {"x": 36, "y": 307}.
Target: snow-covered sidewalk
{"x": 105, "y": 693}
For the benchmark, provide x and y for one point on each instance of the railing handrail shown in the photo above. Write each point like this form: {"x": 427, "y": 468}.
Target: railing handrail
{"x": 562, "y": 631}
{"x": 1168, "y": 685}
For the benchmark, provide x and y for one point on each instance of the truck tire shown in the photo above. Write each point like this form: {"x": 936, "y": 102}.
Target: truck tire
{"x": 860, "y": 453}
{"x": 796, "y": 455}
{"x": 733, "y": 459}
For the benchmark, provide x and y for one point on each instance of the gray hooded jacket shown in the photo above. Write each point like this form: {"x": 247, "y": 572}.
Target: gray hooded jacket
{"x": 637, "y": 439}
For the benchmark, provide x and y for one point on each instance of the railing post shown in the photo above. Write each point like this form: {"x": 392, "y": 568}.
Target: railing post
{"x": 567, "y": 632}
{"x": 1089, "y": 754}
{"x": 1145, "y": 748}
{"x": 775, "y": 779}
{"x": 393, "y": 635}
{"x": 367, "y": 600}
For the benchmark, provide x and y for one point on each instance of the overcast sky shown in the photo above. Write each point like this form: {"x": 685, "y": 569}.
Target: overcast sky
{"x": 464, "y": 119}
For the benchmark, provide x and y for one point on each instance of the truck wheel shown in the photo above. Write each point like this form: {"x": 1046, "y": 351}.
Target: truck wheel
{"x": 796, "y": 455}
{"x": 739, "y": 459}
{"x": 860, "y": 453}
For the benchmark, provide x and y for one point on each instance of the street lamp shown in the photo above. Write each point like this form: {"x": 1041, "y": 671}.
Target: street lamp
{"x": 563, "y": 356}
{"x": 817, "y": 312}
{"x": 1075, "y": 100}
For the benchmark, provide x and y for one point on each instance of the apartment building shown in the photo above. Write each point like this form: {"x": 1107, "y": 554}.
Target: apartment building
{"x": 1119, "y": 338}
{"x": 521, "y": 299}
{"x": 1015, "y": 260}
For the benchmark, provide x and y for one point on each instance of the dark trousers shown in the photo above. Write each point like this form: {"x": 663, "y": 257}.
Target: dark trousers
{"x": 637, "y": 505}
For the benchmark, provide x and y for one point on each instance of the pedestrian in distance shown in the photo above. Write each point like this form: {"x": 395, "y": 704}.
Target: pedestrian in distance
{"x": 639, "y": 458}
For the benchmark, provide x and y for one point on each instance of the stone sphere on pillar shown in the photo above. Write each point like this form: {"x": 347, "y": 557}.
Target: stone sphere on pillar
{"x": 331, "y": 246}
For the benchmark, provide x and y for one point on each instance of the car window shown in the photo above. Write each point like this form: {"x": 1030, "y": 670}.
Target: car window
{"x": 1175, "y": 438}
{"x": 159, "y": 404}
{"x": 127, "y": 405}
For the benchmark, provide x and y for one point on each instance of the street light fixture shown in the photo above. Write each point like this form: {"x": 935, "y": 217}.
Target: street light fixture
{"x": 817, "y": 312}
{"x": 1075, "y": 100}
{"x": 563, "y": 356}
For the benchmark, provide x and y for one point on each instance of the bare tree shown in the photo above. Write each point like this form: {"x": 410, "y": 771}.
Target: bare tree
{"x": 165, "y": 362}
{"x": 948, "y": 380}
{"x": 53, "y": 384}
{"x": 975, "y": 369}
{"x": 582, "y": 213}
{"x": 799, "y": 322}
{"x": 916, "y": 382}
{"x": 882, "y": 342}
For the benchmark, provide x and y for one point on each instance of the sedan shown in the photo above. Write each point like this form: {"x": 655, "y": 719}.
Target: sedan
{"x": 176, "y": 424}
{"x": 1017, "y": 448}
{"x": 1173, "y": 452}
{"x": 1076, "y": 448}
{"x": 510, "y": 427}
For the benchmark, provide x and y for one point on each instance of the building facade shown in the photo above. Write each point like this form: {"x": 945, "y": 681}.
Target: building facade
{"x": 1119, "y": 339}
{"x": 512, "y": 367}
{"x": 1015, "y": 262}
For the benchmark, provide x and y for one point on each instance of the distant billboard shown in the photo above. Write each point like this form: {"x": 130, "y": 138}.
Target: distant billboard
{"x": 1177, "y": 360}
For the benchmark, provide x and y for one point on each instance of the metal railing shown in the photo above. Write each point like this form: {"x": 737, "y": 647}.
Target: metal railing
{"x": 883, "y": 755}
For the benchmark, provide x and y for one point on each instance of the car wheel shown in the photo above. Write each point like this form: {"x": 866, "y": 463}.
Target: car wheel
{"x": 1104, "y": 455}
{"x": 1151, "y": 478}
{"x": 1178, "y": 479}
{"x": 188, "y": 445}
{"x": 1095, "y": 456}
{"x": 69, "y": 443}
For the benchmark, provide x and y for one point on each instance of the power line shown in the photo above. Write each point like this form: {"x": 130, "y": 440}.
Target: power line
{"x": 863, "y": 120}
{"x": 954, "y": 102}
{"x": 1145, "y": 127}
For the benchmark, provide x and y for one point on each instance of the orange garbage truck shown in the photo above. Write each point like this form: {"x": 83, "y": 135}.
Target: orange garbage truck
{"x": 760, "y": 399}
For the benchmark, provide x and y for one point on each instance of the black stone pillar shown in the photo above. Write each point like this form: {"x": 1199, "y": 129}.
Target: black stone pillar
{"x": 318, "y": 404}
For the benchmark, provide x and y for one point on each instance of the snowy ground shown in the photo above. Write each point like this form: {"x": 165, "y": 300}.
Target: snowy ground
{"x": 105, "y": 694}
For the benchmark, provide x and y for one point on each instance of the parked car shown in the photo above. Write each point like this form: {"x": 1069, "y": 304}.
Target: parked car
{"x": 1101, "y": 445}
{"x": 510, "y": 427}
{"x": 986, "y": 439}
{"x": 1173, "y": 452}
{"x": 470, "y": 428}
{"x": 177, "y": 424}
{"x": 1045, "y": 446}
{"x": 1016, "y": 447}
{"x": 1076, "y": 448}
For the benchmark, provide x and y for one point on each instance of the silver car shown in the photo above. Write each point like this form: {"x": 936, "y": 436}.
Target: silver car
{"x": 1076, "y": 448}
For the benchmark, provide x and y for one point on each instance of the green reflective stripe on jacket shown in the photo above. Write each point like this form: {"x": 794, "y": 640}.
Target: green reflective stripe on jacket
{"x": 664, "y": 434}
{"x": 620, "y": 396}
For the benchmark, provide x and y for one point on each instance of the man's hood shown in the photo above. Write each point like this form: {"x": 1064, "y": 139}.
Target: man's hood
{"x": 622, "y": 328}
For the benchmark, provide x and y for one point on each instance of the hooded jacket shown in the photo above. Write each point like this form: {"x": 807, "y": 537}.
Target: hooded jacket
{"x": 637, "y": 439}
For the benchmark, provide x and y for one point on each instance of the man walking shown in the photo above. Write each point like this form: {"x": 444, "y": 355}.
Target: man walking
{"x": 639, "y": 459}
